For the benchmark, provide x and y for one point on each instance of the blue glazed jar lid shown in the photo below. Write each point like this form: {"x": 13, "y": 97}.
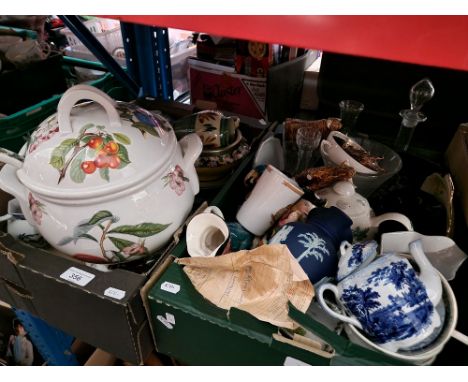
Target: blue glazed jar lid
{"x": 333, "y": 221}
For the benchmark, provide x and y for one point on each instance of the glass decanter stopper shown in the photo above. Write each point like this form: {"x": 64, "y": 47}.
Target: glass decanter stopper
{"x": 421, "y": 92}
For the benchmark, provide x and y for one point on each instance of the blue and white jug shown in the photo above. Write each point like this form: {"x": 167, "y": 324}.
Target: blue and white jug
{"x": 388, "y": 301}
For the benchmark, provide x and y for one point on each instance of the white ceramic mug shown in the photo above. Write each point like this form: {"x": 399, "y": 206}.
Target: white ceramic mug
{"x": 272, "y": 192}
{"x": 206, "y": 233}
{"x": 27, "y": 51}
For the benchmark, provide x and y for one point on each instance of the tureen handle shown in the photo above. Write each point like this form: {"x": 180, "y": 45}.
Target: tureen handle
{"x": 324, "y": 305}
{"x": 11, "y": 158}
{"x": 192, "y": 147}
{"x": 85, "y": 92}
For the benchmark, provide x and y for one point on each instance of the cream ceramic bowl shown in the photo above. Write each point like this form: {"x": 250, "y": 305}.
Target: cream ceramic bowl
{"x": 103, "y": 181}
{"x": 338, "y": 155}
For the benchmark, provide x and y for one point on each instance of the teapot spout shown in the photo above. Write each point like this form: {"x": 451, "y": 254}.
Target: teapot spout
{"x": 428, "y": 274}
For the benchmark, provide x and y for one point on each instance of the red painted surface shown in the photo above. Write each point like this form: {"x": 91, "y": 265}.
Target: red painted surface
{"x": 428, "y": 40}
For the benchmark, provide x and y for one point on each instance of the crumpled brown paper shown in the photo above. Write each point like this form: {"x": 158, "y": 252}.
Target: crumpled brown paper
{"x": 259, "y": 281}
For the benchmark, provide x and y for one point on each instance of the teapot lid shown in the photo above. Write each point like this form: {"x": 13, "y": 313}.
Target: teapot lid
{"x": 343, "y": 195}
{"x": 96, "y": 147}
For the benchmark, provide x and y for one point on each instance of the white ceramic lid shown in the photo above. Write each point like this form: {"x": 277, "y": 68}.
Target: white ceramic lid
{"x": 344, "y": 196}
{"x": 95, "y": 148}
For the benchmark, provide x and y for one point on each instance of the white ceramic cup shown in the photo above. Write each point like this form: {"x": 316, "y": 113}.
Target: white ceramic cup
{"x": 272, "y": 192}
{"x": 27, "y": 51}
{"x": 206, "y": 233}
{"x": 16, "y": 223}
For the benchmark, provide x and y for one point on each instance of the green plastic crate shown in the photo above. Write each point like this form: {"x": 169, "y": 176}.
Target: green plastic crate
{"x": 15, "y": 128}
{"x": 192, "y": 330}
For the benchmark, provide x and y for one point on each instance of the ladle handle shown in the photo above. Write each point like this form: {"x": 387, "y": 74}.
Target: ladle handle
{"x": 11, "y": 158}
{"x": 463, "y": 338}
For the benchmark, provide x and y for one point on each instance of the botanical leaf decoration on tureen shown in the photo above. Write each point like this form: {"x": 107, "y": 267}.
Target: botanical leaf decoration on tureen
{"x": 114, "y": 241}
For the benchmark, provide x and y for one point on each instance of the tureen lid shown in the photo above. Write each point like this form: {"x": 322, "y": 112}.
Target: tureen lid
{"x": 95, "y": 147}
{"x": 344, "y": 196}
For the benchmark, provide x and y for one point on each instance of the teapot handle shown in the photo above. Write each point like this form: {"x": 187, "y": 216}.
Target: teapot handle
{"x": 400, "y": 218}
{"x": 324, "y": 305}
{"x": 85, "y": 92}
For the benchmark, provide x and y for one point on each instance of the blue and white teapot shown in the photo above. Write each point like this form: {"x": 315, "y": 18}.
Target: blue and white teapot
{"x": 388, "y": 301}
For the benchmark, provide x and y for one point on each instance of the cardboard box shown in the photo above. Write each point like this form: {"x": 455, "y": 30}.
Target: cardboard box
{"x": 192, "y": 330}
{"x": 273, "y": 98}
{"x": 107, "y": 311}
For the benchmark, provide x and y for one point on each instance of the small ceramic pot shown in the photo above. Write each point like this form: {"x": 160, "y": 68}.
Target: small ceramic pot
{"x": 215, "y": 164}
{"x": 388, "y": 301}
{"x": 315, "y": 243}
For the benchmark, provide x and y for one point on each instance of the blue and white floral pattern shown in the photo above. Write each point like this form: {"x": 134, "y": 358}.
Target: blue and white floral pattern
{"x": 398, "y": 313}
{"x": 354, "y": 256}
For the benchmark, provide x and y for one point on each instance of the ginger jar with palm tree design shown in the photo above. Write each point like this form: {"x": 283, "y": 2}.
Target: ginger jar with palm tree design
{"x": 316, "y": 242}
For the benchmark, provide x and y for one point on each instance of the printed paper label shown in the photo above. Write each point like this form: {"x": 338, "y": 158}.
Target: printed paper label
{"x": 77, "y": 276}
{"x": 170, "y": 287}
{"x": 114, "y": 293}
{"x": 290, "y": 361}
